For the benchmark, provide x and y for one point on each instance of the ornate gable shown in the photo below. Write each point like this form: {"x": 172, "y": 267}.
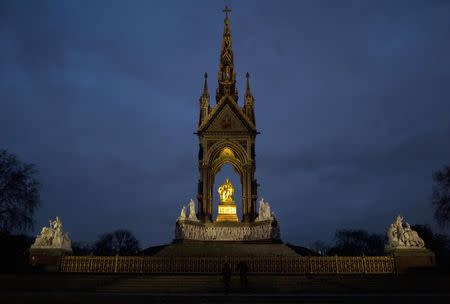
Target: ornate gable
{"x": 226, "y": 120}
{"x": 227, "y": 116}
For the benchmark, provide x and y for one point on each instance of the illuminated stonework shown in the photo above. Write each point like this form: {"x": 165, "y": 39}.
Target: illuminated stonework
{"x": 227, "y": 206}
{"x": 53, "y": 237}
{"x": 227, "y": 209}
{"x": 227, "y": 231}
{"x": 227, "y": 133}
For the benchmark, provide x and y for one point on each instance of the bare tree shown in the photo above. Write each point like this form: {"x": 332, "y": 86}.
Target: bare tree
{"x": 19, "y": 193}
{"x": 441, "y": 196}
{"x": 82, "y": 248}
{"x": 355, "y": 242}
{"x": 438, "y": 243}
{"x": 320, "y": 247}
{"x": 121, "y": 242}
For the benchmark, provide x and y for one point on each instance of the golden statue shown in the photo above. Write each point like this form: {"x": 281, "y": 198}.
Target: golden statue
{"x": 227, "y": 206}
{"x": 226, "y": 191}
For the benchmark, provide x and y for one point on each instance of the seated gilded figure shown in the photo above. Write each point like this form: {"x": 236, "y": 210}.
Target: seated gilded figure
{"x": 226, "y": 191}
{"x": 227, "y": 206}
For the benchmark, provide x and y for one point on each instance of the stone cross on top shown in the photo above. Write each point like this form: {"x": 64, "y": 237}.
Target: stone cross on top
{"x": 226, "y": 10}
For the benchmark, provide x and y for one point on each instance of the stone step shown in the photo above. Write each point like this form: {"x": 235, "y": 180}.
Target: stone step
{"x": 212, "y": 284}
{"x": 222, "y": 249}
{"x": 261, "y": 283}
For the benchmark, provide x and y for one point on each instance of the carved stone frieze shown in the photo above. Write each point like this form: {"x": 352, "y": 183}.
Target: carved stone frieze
{"x": 264, "y": 230}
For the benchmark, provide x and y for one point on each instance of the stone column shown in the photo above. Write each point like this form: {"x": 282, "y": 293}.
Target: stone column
{"x": 248, "y": 215}
{"x": 210, "y": 197}
{"x": 200, "y": 211}
{"x": 244, "y": 185}
{"x": 244, "y": 197}
{"x": 204, "y": 193}
{"x": 254, "y": 197}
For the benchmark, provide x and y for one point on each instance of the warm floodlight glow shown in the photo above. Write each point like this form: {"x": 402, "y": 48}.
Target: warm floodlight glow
{"x": 227, "y": 206}
{"x": 226, "y": 191}
{"x": 227, "y": 152}
{"x": 227, "y": 209}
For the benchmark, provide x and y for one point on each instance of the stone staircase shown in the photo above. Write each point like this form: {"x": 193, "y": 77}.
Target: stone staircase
{"x": 212, "y": 284}
{"x": 166, "y": 284}
{"x": 222, "y": 249}
{"x": 50, "y": 282}
{"x": 256, "y": 284}
{"x": 275, "y": 284}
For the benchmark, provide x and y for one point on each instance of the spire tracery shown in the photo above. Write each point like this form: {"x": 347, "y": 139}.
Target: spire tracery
{"x": 204, "y": 101}
{"x": 226, "y": 75}
{"x": 249, "y": 101}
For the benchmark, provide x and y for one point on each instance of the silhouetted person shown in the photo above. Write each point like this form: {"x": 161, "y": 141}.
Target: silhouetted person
{"x": 226, "y": 273}
{"x": 243, "y": 269}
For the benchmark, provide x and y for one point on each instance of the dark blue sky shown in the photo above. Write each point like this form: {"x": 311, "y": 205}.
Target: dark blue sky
{"x": 352, "y": 102}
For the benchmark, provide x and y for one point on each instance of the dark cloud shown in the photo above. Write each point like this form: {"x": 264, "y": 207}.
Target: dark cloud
{"x": 351, "y": 99}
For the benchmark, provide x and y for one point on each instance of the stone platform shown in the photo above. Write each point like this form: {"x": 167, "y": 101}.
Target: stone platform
{"x": 267, "y": 230}
{"x": 47, "y": 258}
{"x": 225, "y": 249}
{"x": 194, "y": 238}
{"x": 412, "y": 258}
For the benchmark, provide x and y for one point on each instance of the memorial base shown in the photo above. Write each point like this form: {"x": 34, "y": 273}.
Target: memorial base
{"x": 227, "y": 212}
{"x": 47, "y": 259}
{"x": 412, "y": 258}
{"x": 226, "y": 249}
{"x": 267, "y": 230}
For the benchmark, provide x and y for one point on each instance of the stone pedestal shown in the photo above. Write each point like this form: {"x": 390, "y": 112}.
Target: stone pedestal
{"x": 407, "y": 258}
{"x": 47, "y": 259}
{"x": 227, "y": 212}
{"x": 267, "y": 230}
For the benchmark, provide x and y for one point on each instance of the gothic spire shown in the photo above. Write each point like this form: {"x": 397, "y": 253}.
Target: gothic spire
{"x": 249, "y": 102}
{"x": 204, "y": 101}
{"x": 247, "y": 89}
{"x": 227, "y": 75}
{"x": 205, "y": 86}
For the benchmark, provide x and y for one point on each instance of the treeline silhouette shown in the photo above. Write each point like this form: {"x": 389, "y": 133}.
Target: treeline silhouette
{"x": 347, "y": 242}
{"x": 118, "y": 242}
{"x": 358, "y": 242}
{"x": 20, "y": 198}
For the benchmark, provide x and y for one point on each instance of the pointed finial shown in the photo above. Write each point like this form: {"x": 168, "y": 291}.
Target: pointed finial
{"x": 205, "y": 85}
{"x": 247, "y": 90}
{"x": 226, "y": 10}
{"x": 249, "y": 100}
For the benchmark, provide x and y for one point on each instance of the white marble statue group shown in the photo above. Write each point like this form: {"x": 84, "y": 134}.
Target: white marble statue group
{"x": 53, "y": 237}
{"x": 192, "y": 216}
{"x": 402, "y": 236}
{"x": 264, "y": 212}
{"x": 265, "y": 227}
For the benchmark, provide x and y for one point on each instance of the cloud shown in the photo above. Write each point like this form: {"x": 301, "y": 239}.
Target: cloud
{"x": 351, "y": 99}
